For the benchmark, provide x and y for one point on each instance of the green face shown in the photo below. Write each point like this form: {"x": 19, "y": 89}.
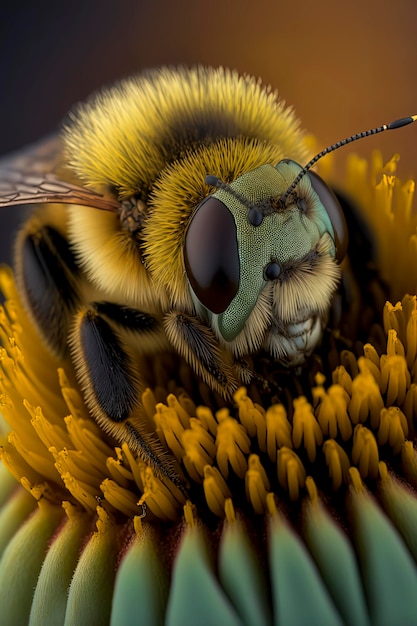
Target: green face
{"x": 281, "y": 238}
{"x": 256, "y": 237}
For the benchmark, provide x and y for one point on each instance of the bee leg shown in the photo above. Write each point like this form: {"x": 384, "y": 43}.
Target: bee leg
{"x": 104, "y": 367}
{"x": 47, "y": 278}
{"x": 153, "y": 454}
{"x": 130, "y": 319}
{"x": 196, "y": 343}
{"x": 111, "y": 383}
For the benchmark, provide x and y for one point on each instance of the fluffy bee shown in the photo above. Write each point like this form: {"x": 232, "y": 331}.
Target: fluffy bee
{"x": 174, "y": 217}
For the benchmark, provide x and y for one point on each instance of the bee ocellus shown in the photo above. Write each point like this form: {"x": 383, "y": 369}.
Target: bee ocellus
{"x": 175, "y": 217}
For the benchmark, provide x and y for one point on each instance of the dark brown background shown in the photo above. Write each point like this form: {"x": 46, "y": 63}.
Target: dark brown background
{"x": 344, "y": 66}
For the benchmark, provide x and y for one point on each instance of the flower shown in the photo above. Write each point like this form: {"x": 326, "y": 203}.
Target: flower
{"x": 301, "y": 506}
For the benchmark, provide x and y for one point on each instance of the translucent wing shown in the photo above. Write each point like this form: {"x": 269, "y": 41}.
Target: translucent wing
{"x": 32, "y": 177}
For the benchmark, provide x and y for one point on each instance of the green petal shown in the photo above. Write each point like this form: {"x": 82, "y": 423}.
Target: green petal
{"x": 401, "y": 505}
{"x": 51, "y": 593}
{"x": 7, "y": 484}
{"x": 335, "y": 559}
{"x": 195, "y": 595}
{"x": 389, "y": 574}
{"x": 299, "y": 595}
{"x": 141, "y": 589}
{"x": 241, "y": 576}
{"x": 13, "y": 514}
{"x": 91, "y": 590}
{"x": 22, "y": 561}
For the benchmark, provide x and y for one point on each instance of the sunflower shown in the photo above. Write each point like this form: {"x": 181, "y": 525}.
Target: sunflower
{"x": 301, "y": 506}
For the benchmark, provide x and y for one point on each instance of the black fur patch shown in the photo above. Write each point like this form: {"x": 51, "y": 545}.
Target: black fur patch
{"x": 131, "y": 319}
{"x": 48, "y": 274}
{"x": 109, "y": 368}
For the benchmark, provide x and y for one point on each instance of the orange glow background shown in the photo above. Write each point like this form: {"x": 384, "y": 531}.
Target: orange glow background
{"x": 345, "y": 66}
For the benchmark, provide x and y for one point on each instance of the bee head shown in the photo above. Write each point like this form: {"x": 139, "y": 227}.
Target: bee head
{"x": 242, "y": 237}
{"x": 263, "y": 227}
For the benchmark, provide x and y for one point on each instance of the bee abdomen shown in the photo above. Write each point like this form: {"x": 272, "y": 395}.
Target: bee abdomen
{"x": 47, "y": 274}
{"x": 105, "y": 369}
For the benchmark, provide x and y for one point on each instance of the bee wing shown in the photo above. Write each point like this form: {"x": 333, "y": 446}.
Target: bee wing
{"x": 30, "y": 177}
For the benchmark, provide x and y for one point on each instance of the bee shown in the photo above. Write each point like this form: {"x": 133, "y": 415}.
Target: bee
{"x": 175, "y": 217}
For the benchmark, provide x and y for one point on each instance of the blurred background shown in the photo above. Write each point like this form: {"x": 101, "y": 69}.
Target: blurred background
{"x": 345, "y": 67}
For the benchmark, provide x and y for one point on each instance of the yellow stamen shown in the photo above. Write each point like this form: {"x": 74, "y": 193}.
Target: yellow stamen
{"x": 371, "y": 362}
{"x": 306, "y": 428}
{"x": 216, "y": 490}
{"x": 393, "y": 428}
{"x": 200, "y": 449}
{"x": 291, "y": 472}
{"x": 122, "y": 499}
{"x": 278, "y": 429}
{"x": 189, "y": 514}
{"x": 158, "y": 497}
{"x": 411, "y": 336}
{"x": 383, "y": 471}
{"x": 135, "y": 464}
{"x": 252, "y": 418}
{"x": 365, "y": 452}
{"x": 271, "y": 505}
{"x": 181, "y": 413}
{"x": 366, "y": 400}
{"x": 86, "y": 436}
{"x": 71, "y": 396}
{"x": 229, "y": 511}
{"x": 78, "y": 465}
{"x": 356, "y": 481}
{"x": 50, "y": 435}
{"x": 17, "y": 465}
{"x": 34, "y": 458}
{"x": 232, "y": 444}
{"x": 393, "y": 318}
{"x": 117, "y": 470}
{"x": 337, "y": 461}
{"x": 348, "y": 360}
{"x": 207, "y": 419}
{"x": 169, "y": 427}
{"x": 257, "y": 484}
{"x": 312, "y": 491}
{"x": 410, "y": 405}
{"x": 341, "y": 377}
{"x": 395, "y": 346}
{"x": 332, "y": 413}
{"x": 409, "y": 461}
{"x": 395, "y": 378}
{"x": 80, "y": 491}
{"x": 137, "y": 525}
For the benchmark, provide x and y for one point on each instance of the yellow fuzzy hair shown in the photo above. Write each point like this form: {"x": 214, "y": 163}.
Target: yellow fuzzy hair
{"x": 156, "y": 137}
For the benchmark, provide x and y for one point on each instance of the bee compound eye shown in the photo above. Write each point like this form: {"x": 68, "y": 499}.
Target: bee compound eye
{"x": 211, "y": 255}
{"x": 335, "y": 213}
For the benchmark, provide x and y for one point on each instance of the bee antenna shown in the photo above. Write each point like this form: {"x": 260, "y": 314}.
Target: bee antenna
{"x": 373, "y": 131}
{"x": 214, "y": 181}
